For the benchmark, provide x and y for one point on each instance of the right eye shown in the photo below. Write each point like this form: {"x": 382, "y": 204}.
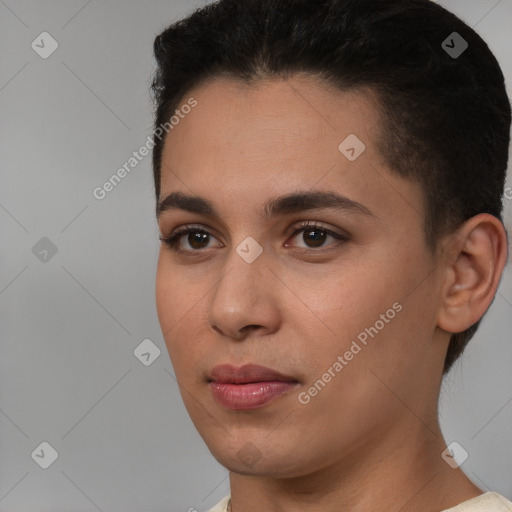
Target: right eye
{"x": 196, "y": 239}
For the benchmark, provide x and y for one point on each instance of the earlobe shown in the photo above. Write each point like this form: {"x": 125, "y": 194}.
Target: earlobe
{"x": 473, "y": 272}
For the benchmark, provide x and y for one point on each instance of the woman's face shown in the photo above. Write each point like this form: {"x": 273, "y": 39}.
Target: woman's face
{"x": 346, "y": 311}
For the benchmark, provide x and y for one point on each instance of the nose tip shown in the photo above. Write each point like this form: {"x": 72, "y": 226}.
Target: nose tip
{"x": 244, "y": 301}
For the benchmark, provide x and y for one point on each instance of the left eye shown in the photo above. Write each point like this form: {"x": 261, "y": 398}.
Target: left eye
{"x": 315, "y": 236}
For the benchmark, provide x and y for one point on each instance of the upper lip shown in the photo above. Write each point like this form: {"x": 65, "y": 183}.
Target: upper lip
{"x": 227, "y": 373}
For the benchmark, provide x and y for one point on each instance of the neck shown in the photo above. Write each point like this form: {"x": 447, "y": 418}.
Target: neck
{"x": 400, "y": 470}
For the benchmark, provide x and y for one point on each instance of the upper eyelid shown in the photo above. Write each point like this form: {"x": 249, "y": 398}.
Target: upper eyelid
{"x": 183, "y": 230}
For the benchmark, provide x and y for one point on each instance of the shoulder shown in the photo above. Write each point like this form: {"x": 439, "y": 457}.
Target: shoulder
{"x": 221, "y": 506}
{"x": 487, "y": 502}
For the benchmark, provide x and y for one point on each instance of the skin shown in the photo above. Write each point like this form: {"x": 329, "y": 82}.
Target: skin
{"x": 370, "y": 439}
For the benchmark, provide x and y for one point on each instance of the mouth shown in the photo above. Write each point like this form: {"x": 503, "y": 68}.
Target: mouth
{"x": 248, "y": 387}
{"x": 228, "y": 374}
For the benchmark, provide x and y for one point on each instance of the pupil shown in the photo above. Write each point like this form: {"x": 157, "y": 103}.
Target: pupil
{"x": 195, "y": 239}
{"x": 317, "y": 239}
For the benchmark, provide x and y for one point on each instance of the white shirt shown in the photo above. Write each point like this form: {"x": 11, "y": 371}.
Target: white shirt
{"x": 487, "y": 502}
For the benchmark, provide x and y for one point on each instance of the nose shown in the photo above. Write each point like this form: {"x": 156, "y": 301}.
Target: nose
{"x": 245, "y": 299}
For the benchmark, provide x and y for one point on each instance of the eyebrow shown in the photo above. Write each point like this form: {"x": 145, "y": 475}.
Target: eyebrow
{"x": 290, "y": 203}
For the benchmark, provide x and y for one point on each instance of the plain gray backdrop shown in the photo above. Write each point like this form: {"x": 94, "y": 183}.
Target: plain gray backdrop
{"x": 77, "y": 277}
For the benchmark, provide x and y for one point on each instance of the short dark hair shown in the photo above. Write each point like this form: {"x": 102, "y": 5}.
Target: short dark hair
{"x": 445, "y": 119}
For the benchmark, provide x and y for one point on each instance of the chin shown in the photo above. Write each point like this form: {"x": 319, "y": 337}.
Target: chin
{"x": 245, "y": 458}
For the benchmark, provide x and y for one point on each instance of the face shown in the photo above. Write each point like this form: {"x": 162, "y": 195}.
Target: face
{"x": 302, "y": 253}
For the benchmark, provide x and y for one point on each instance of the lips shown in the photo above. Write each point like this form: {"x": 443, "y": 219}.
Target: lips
{"x": 228, "y": 374}
{"x": 248, "y": 387}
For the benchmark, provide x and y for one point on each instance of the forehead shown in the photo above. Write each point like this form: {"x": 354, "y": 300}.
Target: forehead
{"x": 232, "y": 114}
{"x": 247, "y": 142}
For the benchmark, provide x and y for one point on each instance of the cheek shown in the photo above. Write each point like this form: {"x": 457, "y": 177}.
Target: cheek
{"x": 175, "y": 294}
{"x": 164, "y": 296}
{"x": 355, "y": 299}
{"x": 180, "y": 312}
{"x": 171, "y": 302}
{"x": 370, "y": 304}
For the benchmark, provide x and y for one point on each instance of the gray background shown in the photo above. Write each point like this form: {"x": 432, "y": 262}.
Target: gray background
{"x": 69, "y": 326}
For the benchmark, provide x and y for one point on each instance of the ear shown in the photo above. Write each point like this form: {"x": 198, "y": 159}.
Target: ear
{"x": 478, "y": 253}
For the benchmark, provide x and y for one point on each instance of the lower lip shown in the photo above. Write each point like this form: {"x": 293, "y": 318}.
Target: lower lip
{"x": 248, "y": 396}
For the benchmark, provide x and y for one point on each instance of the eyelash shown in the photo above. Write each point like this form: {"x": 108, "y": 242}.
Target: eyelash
{"x": 173, "y": 240}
